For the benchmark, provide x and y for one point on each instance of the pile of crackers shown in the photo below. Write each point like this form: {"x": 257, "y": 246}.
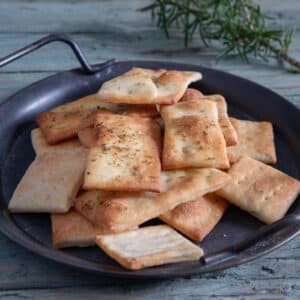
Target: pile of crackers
{"x": 146, "y": 146}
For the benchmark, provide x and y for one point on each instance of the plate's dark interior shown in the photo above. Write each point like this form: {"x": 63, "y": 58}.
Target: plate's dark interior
{"x": 246, "y": 101}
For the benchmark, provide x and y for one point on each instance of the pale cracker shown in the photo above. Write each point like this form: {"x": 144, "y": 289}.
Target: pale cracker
{"x": 148, "y": 246}
{"x": 50, "y": 184}
{"x": 146, "y": 86}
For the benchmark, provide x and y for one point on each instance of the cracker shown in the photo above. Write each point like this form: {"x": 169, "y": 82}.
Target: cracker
{"x": 146, "y": 86}
{"x": 91, "y": 103}
{"x": 148, "y": 246}
{"x": 40, "y": 145}
{"x": 59, "y": 126}
{"x": 256, "y": 140}
{"x": 228, "y": 130}
{"x": 64, "y": 121}
{"x": 128, "y": 155}
{"x": 191, "y": 94}
{"x": 50, "y": 184}
{"x": 87, "y": 137}
{"x": 261, "y": 190}
{"x": 107, "y": 210}
{"x": 196, "y": 218}
{"x": 72, "y": 230}
{"x": 193, "y": 137}
{"x": 143, "y": 111}
{"x": 120, "y": 211}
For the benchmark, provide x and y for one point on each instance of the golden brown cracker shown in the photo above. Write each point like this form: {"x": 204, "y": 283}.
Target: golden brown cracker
{"x": 256, "y": 140}
{"x": 193, "y": 137}
{"x": 261, "y": 190}
{"x": 120, "y": 211}
{"x": 72, "y": 230}
{"x": 128, "y": 155}
{"x": 196, "y": 218}
{"x": 40, "y": 144}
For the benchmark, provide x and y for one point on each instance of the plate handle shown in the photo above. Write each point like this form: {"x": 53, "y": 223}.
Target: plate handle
{"x": 86, "y": 67}
{"x": 234, "y": 251}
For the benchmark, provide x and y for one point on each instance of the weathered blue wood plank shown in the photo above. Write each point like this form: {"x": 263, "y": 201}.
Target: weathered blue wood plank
{"x": 105, "y": 29}
{"x": 100, "y": 47}
{"x": 179, "y": 289}
{"x": 20, "y": 268}
{"x": 94, "y": 16}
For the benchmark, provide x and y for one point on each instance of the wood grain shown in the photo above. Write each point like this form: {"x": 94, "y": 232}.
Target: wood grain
{"x": 106, "y": 29}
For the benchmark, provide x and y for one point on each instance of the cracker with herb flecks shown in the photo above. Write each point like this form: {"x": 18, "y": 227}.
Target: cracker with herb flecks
{"x": 148, "y": 246}
{"x": 259, "y": 189}
{"x": 193, "y": 137}
{"x": 121, "y": 211}
{"x": 256, "y": 140}
{"x": 64, "y": 122}
{"x": 128, "y": 155}
{"x": 196, "y": 218}
{"x": 146, "y": 86}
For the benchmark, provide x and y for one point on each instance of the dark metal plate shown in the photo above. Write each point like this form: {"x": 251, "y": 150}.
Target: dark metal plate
{"x": 246, "y": 100}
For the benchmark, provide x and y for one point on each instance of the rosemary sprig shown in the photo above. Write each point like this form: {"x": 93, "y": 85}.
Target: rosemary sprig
{"x": 239, "y": 25}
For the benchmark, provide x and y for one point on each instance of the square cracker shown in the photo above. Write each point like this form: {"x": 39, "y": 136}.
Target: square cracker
{"x": 146, "y": 86}
{"x": 224, "y": 121}
{"x": 191, "y": 94}
{"x": 91, "y": 103}
{"x": 148, "y": 246}
{"x": 261, "y": 190}
{"x": 72, "y": 230}
{"x": 110, "y": 211}
{"x": 40, "y": 144}
{"x": 198, "y": 217}
{"x": 256, "y": 140}
{"x": 50, "y": 184}
{"x": 88, "y": 137}
{"x": 120, "y": 211}
{"x": 227, "y": 128}
{"x": 193, "y": 137}
{"x": 64, "y": 121}
{"x": 128, "y": 155}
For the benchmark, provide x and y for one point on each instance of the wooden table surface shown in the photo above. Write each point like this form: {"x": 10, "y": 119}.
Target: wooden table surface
{"x": 113, "y": 29}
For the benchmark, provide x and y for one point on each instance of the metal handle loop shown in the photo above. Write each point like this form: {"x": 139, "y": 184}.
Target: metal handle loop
{"x": 86, "y": 67}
